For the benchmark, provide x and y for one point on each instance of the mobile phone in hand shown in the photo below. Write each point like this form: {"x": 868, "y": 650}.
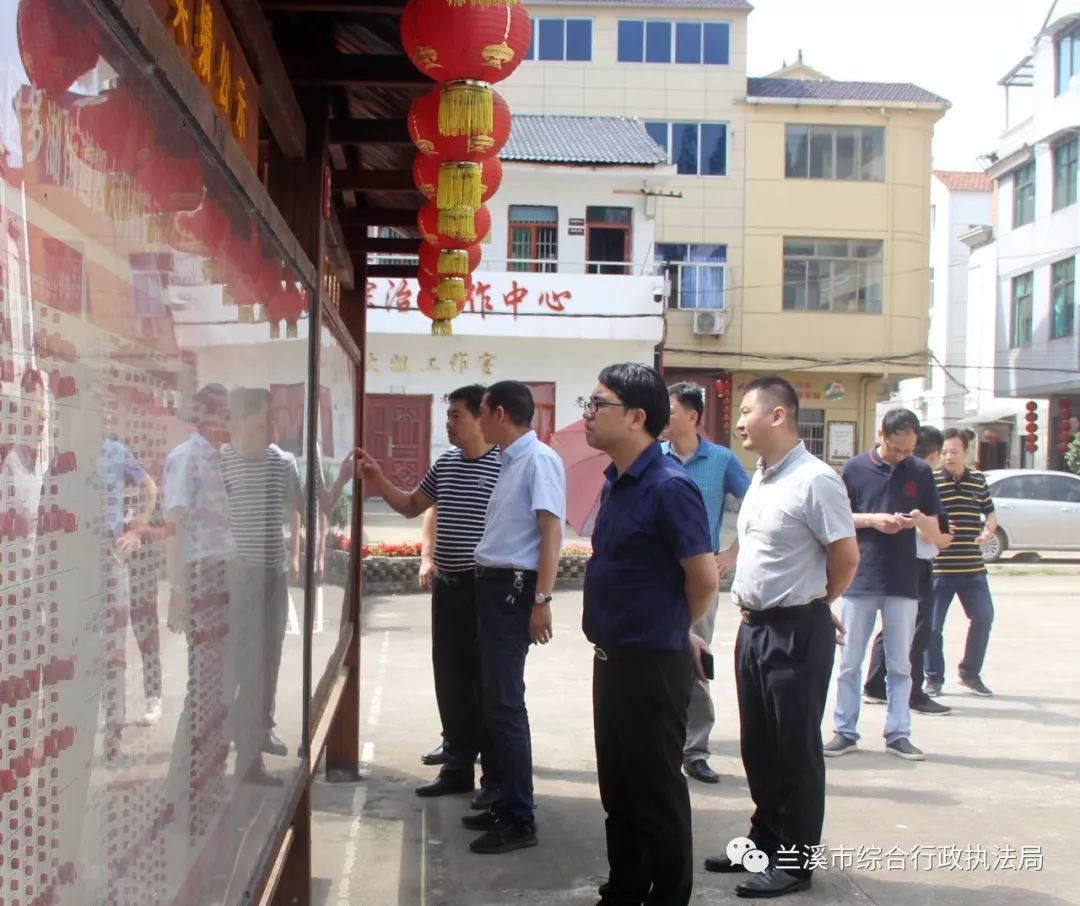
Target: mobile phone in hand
{"x": 708, "y": 665}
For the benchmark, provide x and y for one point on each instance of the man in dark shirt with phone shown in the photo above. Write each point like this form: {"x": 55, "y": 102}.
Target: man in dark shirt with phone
{"x": 652, "y": 574}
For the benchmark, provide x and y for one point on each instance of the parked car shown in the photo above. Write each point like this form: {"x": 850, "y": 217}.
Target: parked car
{"x": 1036, "y": 510}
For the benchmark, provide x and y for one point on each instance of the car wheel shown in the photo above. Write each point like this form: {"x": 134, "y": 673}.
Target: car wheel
{"x": 994, "y": 547}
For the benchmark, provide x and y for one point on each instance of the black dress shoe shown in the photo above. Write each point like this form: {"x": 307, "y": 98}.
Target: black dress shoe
{"x": 484, "y": 821}
{"x": 489, "y": 794}
{"x": 274, "y": 746}
{"x": 445, "y": 784}
{"x": 772, "y": 882}
{"x": 699, "y": 769}
{"x": 435, "y": 756}
{"x": 723, "y": 865}
{"x": 505, "y": 837}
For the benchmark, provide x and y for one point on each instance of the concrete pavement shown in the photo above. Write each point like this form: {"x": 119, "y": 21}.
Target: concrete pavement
{"x": 989, "y": 818}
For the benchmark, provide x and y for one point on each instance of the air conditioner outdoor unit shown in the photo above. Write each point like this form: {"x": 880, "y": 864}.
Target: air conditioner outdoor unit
{"x": 709, "y": 321}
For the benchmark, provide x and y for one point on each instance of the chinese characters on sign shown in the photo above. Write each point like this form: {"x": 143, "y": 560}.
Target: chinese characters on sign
{"x": 202, "y": 32}
{"x": 458, "y": 362}
{"x": 516, "y": 300}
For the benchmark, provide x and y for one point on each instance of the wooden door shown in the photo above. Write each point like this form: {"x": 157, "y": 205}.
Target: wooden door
{"x": 397, "y": 433}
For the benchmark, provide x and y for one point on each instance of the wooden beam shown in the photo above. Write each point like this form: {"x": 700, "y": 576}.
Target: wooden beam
{"x": 374, "y": 180}
{"x": 382, "y": 7}
{"x": 358, "y": 218}
{"x": 277, "y": 100}
{"x": 370, "y": 131}
{"x": 370, "y": 245}
{"x": 384, "y": 70}
{"x": 395, "y": 271}
{"x": 337, "y": 250}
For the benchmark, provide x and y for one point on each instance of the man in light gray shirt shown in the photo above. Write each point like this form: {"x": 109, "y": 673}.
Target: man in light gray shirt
{"x": 516, "y": 562}
{"x": 796, "y": 554}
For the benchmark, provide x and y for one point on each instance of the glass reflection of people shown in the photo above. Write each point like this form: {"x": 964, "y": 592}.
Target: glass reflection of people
{"x": 117, "y": 469}
{"x": 262, "y": 485}
{"x": 198, "y": 545}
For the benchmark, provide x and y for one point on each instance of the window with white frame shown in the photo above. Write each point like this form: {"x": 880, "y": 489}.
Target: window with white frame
{"x": 1022, "y": 313}
{"x": 835, "y": 275}
{"x": 658, "y": 41}
{"x": 812, "y": 430}
{"x": 696, "y": 149}
{"x": 555, "y": 40}
{"x": 1065, "y": 161}
{"x": 1063, "y": 298}
{"x": 1067, "y": 47}
{"x": 835, "y": 152}
{"x": 1024, "y": 194}
{"x": 697, "y": 273}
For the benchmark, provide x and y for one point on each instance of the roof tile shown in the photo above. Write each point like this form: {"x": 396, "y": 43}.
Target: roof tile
{"x": 829, "y": 90}
{"x": 965, "y": 181}
{"x": 603, "y": 140}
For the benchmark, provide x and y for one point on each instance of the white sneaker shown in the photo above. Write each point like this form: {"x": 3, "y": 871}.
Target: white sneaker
{"x": 153, "y": 712}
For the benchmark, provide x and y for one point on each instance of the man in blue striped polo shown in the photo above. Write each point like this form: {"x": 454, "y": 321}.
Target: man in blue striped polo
{"x": 717, "y": 472}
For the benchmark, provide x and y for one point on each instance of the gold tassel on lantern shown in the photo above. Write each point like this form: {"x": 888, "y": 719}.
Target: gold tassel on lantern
{"x": 275, "y": 330}
{"x": 441, "y": 329}
{"x": 453, "y": 261}
{"x": 444, "y": 311}
{"x": 292, "y": 330}
{"x": 460, "y": 186}
{"x": 450, "y": 290}
{"x": 458, "y": 223}
{"x": 466, "y": 108}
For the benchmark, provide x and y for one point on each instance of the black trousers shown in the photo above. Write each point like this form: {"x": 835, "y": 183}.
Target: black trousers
{"x": 639, "y": 720}
{"x": 455, "y": 657}
{"x": 504, "y": 601}
{"x": 782, "y": 669}
{"x": 875, "y": 674}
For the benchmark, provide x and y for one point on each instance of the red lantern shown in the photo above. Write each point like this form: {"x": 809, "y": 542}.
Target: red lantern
{"x": 423, "y": 124}
{"x": 243, "y": 255}
{"x": 173, "y": 183}
{"x": 120, "y": 126}
{"x": 453, "y": 227}
{"x": 54, "y": 46}
{"x": 448, "y": 42}
{"x": 446, "y": 288}
{"x": 1031, "y": 405}
{"x": 441, "y": 313}
{"x": 453, "y": 183}
{"x": 449, "y": 262}
{"x": 204, "y": 229}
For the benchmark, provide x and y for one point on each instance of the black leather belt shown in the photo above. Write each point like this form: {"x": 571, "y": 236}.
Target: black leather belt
{"x": 772, "y": 614}
{"x": 504, "y": 572}
{"x": 464, "y": 577}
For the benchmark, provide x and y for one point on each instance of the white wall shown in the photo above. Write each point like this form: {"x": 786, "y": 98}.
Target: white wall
{"x": 437, "y": 365}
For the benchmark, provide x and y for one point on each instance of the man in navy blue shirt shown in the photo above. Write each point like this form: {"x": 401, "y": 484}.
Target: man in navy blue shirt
{"x": 892, "y": 494}
{"x": 651, "y": 576}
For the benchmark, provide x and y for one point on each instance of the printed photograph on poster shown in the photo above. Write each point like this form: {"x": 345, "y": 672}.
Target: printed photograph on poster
{"x": 840, "y": 443}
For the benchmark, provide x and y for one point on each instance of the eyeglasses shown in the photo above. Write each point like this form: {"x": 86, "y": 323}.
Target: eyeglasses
{"x": 594, "y": 404}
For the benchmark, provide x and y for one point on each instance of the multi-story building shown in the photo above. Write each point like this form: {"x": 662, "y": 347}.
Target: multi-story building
{"x": 794, "y": 235}
{"x": 1038, "y": 227}
{"x": 566, "y": 286}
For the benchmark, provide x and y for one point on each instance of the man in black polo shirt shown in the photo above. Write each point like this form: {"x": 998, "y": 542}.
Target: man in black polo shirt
{"x": 892, "y": 494}
{"x": 652, "y": 574}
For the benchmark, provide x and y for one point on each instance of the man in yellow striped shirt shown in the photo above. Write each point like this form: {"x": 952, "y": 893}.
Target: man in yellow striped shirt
{"x": 959, "y": 570}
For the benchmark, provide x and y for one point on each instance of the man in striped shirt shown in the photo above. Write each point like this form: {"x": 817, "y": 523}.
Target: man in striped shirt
{"x": 960, "y": 569}
{"x": 460, "y": 482}
{"x": 262, "y": 485}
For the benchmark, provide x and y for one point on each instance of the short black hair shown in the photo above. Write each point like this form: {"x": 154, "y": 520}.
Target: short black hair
{"x": 961, "y": 433}
{"x": 516, "y": 401}
{"x": 212, "y": 401}
{"x": 897, "y": 421}
{"x": 779, "y": 390}
{"x": 640, "y": 387}
{"x": 472, "y": 395}
{"x": 245, "y": 401}
{"x": 931, "y": 440}
{"x": 690, "y": 395}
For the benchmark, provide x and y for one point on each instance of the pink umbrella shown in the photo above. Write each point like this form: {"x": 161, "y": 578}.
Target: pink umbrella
{"x": 584, "y": 476}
